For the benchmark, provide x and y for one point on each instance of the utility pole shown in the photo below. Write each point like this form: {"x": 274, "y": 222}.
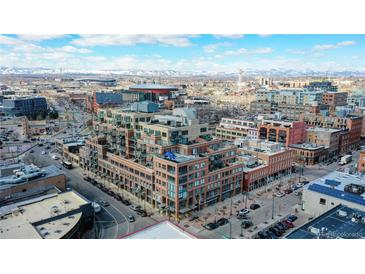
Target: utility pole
{"x": 94, "y": 223}
{"x": 230, "y": 230}
{"x": 230, "y": 211}
{"x": 215, "y": 213}
{"x": 273, "y": 207}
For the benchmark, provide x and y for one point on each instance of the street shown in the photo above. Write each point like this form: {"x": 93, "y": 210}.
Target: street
{"x": 113, "y": 218}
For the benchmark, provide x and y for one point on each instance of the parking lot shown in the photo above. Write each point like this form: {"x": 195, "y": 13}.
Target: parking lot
{"x": 269, "y": 210}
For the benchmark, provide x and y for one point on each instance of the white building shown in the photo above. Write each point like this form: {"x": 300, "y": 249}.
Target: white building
{"x": 333, "y": 189}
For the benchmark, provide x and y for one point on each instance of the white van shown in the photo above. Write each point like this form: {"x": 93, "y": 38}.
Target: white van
{"x": 97, "y": 207}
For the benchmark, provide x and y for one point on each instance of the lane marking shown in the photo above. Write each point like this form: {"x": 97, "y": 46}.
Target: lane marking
{"x": 121, "y": 213}
{"x": 116, "y": 232}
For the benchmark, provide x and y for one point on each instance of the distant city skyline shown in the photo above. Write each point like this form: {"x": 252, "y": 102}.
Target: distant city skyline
{"x": 213, "y": 53}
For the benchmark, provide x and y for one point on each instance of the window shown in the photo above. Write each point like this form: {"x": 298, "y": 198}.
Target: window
{"x": 322, "y": 201}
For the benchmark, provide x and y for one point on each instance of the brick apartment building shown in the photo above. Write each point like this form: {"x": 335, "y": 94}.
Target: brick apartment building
{"x": 334, "y": 99}
{"x": 286, "y": 132}
{"x": 174, "y": 164}
{"x": 353, "y": 123}
{"x": 361, "y": 162}
{"x": 230, "y": 129}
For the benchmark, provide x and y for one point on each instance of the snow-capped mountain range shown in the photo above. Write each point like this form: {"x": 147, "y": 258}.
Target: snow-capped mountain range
{"x": 174, "y": 73}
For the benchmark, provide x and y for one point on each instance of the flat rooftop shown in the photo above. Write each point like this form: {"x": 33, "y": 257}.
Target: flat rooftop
{"x": 161, "y": 230}
{"x": 334, "y": 185}
{"x": 179, "y": 158}
{"x": 323, "y": 129}
{"x": 47, "y": 172}
{"x": 340, "y": 222}
{"x": 47, "y": 217}
{"x": 308, "y": 146}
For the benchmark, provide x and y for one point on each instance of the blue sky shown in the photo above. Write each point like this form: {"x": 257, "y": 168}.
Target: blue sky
{"x": 216, "y": 53}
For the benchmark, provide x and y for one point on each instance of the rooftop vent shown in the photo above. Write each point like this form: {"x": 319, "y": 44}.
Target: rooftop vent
{"x": 314, "y": 230}
{"x": 342, "y": 213}
{"x": 354, "y": 189}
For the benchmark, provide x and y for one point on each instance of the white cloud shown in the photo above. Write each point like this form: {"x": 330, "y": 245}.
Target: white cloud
{"x": 242, "y": 51}
{"x": 346, "y": 43}
{"x": 333, "y": 46}
{"x": 6, "y": 40}
{"x": 130, "y": 40}
{"x": 264, "y": 35}
{"x": 213, "y": 47}
{"x": 72, "y": 49}
{"x": 263, "y": 51}
{"x": 39, "y": 37}
{"x": 296, "y": 51}
{"x": 229, "y": 36}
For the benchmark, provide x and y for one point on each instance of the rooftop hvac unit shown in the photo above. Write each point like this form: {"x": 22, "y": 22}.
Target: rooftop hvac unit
{"x": 342, "y": 213}
{"x": 314, "y": 230}
{"x": 16, "y": 211}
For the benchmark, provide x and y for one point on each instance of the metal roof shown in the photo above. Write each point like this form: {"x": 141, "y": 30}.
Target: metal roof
{"x": 333, "y": 184}
{"x": 338, "y": 222}
{"x": 161, "y": 230}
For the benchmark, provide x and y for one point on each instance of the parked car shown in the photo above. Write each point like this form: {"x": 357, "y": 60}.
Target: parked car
{"x": 299, "y": 185}
{"x": 104, "y": 203}
{"x": 130, "y": 218}
{"x": 292, "y": 218}
{"x": 284, "y": 225}
{"x": 135, "y": 207}
{"x": 279, "y": 194}
{"x": 222, "y": 221}
{"x": 241, "y": 216}
{"x": 141, "y": 212}
{"x": 87, "y": 178}
{"x": 276, "y": 231}
{"x": 298, "y": 193}
{"x": 264, "y": 234}
{"x": 244, "y": 211}
{"x": 32, "y": 151}
{"x": 289, "y": 223}
{"x": 117, "y": 197}
{"x": 126, "y": 202}
{"x": 211, "y": 226}
{"x": 193, "y": 218}
{"x": 273, "y": 236}
{"x": 288, "y": 191}
{"x": 246, "y": 224}
{"x": 281, "y": 226}
{"x": 254, "y": 206}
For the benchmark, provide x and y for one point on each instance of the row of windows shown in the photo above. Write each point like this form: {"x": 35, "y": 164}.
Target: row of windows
{"x": 130, "y": 169}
